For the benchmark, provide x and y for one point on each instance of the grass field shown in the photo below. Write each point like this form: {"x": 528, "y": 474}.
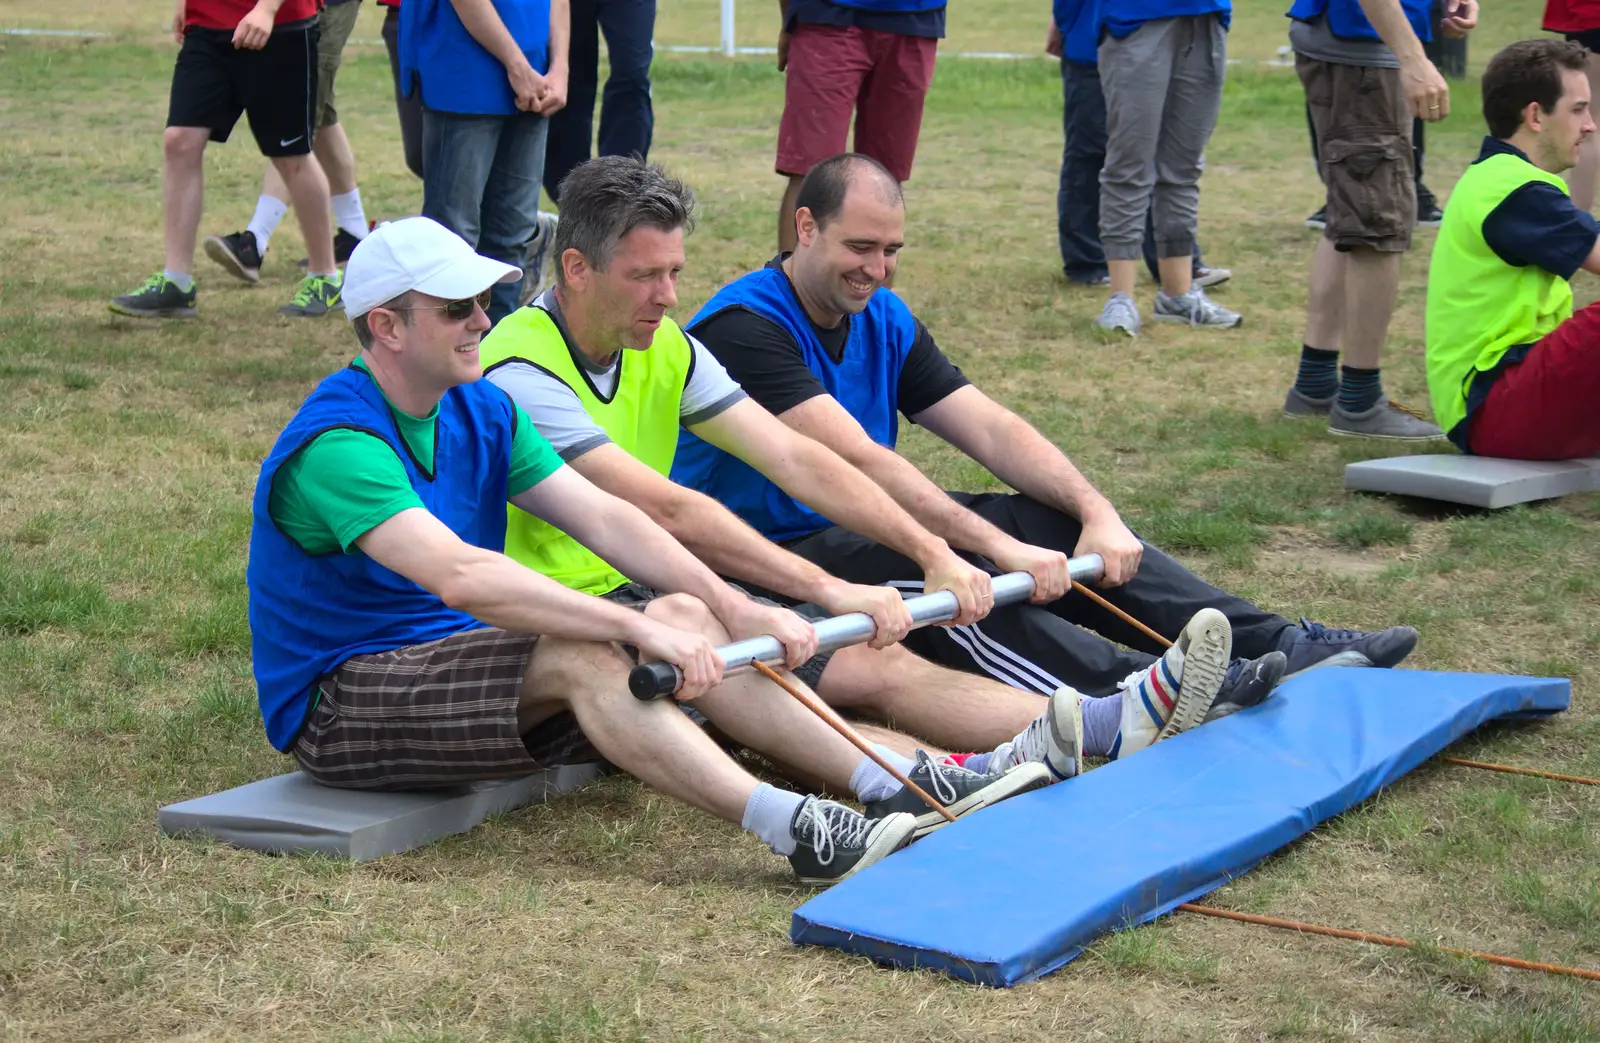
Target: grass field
{"x": 129, "y": 451}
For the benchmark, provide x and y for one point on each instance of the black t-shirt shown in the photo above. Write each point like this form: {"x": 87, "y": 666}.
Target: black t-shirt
{"x": 764, "y": 360}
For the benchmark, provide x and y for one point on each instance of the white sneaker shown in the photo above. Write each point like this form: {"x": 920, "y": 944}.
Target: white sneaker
{"x": 1120, "y": 315}
{"x": 539, "y": 264}
{"x": 1053, "y": 739}
{"x": 1175, "y": 693}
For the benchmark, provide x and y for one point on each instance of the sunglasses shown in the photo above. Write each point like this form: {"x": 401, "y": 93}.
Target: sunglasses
{"x": 455, "y": 311}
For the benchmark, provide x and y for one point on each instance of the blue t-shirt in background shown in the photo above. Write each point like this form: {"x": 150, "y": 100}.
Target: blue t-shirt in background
{"x": 455, "y": 72}
{"x": 927, "y": 21}
{"x": 1079, "y": 24}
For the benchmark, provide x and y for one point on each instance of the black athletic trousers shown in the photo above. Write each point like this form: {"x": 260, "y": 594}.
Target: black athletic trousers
{"x": 1040, "y": 647}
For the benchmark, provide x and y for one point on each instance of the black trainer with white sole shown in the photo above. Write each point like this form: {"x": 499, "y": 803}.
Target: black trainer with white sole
{"x": 237, "y": 253}
{"x": 833, "y": 842}
{"x": 960, "y": 791}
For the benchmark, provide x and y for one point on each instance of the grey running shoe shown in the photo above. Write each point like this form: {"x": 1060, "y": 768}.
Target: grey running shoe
{"x": 1311, "y": 643}
{"x": 833, "y": 842}
{"x": 237, "y": 253}
{"x": 1303, "y": 407}
{"x": 1204, "y": 276}
{"x": 1120, "y": 315}
{"x": 538, "y": 266}
{"x": 1387, "y": 419}
{"x": 1053, "y": 739}
{"x": 1196, "y": 309}
{"x": 158, "y": 298}
{"x": 1247, "y": 682}
{"x": 959, "y": 790}
{"x": 317, "y": 296}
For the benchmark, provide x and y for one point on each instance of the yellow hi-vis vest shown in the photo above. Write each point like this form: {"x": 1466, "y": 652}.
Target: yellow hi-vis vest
{"x": 1479, "y": 307}
{"x": 641, "y": 417}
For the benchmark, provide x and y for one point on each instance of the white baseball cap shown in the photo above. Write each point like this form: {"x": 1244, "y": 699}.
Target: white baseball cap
{"x": 417, "y": 253}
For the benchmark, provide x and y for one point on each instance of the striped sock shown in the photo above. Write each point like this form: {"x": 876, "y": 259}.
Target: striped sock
{"x": 1154, "y": 695}
{"x": 1319, "y": 373}
{"x": 1359, "y": 389}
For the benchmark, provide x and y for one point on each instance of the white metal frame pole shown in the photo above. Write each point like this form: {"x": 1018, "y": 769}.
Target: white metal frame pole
{"x": 727, "y": 28}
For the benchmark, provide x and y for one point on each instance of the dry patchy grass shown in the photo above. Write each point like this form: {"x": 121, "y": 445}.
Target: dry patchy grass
{"x": 130, "y": 450}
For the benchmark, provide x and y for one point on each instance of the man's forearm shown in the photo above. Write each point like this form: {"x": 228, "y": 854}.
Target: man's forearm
{"x": 496, "y": 590}
{"x": 857, "y": 502}
{"x": 722, "y": 541}
{"x": 1389, "y": 19}
{"x": 560, "y": 33}
{"x": 1027, "y": 461}
{"x": 643, "y": 551}
{"x": 483, "y": 22}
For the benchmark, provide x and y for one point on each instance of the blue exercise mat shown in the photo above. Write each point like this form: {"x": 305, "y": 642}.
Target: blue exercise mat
{"x": 1016, "y": 891}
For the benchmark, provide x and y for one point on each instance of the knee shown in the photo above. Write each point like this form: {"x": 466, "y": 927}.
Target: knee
{"x": 685, "y": 612}
{"x": 568, "y": 670}
{"x": 183, "y": 145}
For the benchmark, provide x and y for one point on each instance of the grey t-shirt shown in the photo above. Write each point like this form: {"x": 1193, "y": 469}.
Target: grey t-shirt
{"x": 558, "y": 414}
{"x": 1316, "y": 41}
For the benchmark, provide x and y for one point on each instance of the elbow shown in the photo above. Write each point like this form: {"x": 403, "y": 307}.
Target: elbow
{"x": 456, "y": 587}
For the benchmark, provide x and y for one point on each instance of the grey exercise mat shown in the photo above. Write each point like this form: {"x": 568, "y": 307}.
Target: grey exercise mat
{"x": 1477, "y": 481}
{"x": 290, "y": 814}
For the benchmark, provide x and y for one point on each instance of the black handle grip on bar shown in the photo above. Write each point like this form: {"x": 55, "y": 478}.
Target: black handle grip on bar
{"x": 653, "y": 680}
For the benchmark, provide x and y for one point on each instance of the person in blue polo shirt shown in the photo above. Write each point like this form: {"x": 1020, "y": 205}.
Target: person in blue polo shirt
{"x": 817, "y": 339}
{"x": 491, "y": 73}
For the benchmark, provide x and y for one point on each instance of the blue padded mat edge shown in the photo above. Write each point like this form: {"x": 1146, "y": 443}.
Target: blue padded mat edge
{"x": 1017, "y": 891}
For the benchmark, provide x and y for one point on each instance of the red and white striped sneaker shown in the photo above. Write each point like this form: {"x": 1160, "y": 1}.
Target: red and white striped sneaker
{"x": 1175, "y": 693}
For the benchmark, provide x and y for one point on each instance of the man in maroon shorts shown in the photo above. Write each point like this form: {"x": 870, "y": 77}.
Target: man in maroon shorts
{"x": 870, "y": 57}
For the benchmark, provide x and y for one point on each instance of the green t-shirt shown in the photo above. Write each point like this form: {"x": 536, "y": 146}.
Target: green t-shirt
{"x": 343, "y": 483}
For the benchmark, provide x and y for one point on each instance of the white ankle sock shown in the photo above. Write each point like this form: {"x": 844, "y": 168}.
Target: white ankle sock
{"x": 269, "y": 212}
{"x": 183, "y": 280}
{"x": 768, "y": 815}
{"x": 870, "y": 782}
{"x": 347, "y": 213}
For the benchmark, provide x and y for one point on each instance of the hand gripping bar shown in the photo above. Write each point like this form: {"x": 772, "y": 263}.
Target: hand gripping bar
{"x": 653, "y": 680}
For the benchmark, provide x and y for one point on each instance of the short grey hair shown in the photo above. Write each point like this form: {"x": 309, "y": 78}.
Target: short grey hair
{"x": 606, "y": 198}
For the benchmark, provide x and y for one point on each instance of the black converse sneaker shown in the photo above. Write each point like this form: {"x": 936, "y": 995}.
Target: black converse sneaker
{"x": 237, "y": 252}
{"x": 959, "y": 790}
{"x": 833, "y": 842}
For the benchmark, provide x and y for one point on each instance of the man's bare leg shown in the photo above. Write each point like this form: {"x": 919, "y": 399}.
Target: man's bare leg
{"x": 787, "y": 237}
{"x": 308, "y": 188}
{"x": 953, "y": 709}
{"x": 652, "y": 741}
{"x": 182, "y": 193}
{"x": 1371, "y": 287}
{"x": 1325, "y": 300}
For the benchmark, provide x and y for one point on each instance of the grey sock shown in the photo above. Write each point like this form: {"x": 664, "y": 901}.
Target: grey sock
{"x": 768, "y": 816}
{"x": 870, "y": 782}
{"x": 1102, "y": 719}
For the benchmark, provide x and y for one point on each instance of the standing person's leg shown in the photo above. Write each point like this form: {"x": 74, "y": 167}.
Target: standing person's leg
{"x": 1134, "y": 72}
{"x": 826, "y": 68}
{"x": 889, "y": 109}
{"x": 511, "y": 203}
{"x": 204, "y": 103}
{"x": 1083, "y": 125}
{"x": 1189, "y": 114}
{"x": 1428, "y": 213}
{"x": 457, "y": 152}
{"x": 627, "y": 119}
{"x": 571, "y": 128}
{"x": 1542, "y": 408}
{"x": 408, "y": 110}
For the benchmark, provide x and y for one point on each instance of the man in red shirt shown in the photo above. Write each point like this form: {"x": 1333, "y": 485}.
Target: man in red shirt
{"x": 240, "y": 58}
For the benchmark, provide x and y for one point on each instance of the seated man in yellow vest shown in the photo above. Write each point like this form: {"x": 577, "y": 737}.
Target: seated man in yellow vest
{"x": 1512, "y": 371}
{"x": 609, "y": 379}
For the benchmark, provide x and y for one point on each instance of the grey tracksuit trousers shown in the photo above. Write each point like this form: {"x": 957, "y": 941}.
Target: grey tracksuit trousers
{"x": 1163, "y": 88}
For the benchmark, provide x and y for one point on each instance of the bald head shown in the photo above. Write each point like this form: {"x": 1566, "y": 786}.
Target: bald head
{"x": 824, "y": 190}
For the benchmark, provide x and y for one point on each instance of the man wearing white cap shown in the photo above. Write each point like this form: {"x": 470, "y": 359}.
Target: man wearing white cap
{"x": 395, "y": 646}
